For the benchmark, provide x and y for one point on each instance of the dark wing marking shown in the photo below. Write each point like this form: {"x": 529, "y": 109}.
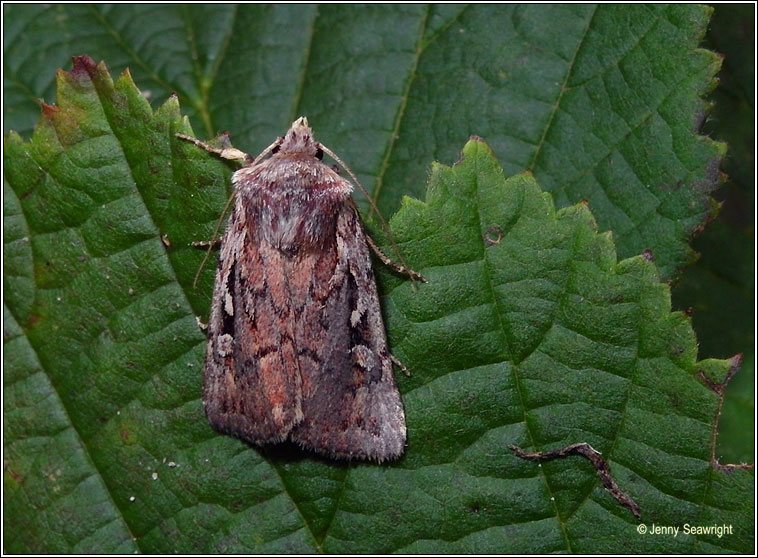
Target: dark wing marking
{"x": 351, "y": 405}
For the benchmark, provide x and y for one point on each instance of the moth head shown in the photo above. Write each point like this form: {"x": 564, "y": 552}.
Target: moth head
{"x": 299, "y": 139}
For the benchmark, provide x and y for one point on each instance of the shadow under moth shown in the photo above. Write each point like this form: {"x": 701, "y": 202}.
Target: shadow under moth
{"x": 297, "y": 348}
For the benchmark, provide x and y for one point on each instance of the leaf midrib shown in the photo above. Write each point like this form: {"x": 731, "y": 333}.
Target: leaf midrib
{"x": 400, "y": 113}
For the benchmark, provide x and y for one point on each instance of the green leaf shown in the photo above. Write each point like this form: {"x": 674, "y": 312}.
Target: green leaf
{"x": 601, "y": 102}
{"x": 51, "y": 485}
{"x": 529, "y": 332}
{"x": 720, "y": 287}
{"x": 377, "y": 82}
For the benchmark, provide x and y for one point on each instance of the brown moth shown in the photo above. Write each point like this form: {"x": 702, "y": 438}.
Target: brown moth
{"x": 297, "y": 348}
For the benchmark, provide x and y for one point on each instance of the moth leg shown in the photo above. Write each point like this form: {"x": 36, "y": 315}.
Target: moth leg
{"x": 229, "y": 153}
{"x": 212, "y": 242}
{"x": 207, "y": 243}
{"x": 399, "y": 364}
{"x": 397, "y": 267}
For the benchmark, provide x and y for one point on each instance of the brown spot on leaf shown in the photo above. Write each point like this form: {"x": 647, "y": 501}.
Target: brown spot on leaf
{"x": 16, "y": 476}
{"x": 237, "y": 505}
{"x": 50, "y": 111}
{"x": 83, "y": 65}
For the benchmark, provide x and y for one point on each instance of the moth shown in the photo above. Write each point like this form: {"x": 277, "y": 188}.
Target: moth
{"x": 297, "y": 348}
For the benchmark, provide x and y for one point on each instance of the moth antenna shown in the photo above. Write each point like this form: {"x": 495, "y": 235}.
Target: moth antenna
{"x": 210, "y": 244}
{"x": 375, "y": 209}
{"x": 266, "y": 151}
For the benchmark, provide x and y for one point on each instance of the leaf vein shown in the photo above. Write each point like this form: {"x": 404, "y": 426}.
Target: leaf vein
{"x": 81, "y": 443}
{"x": 561, "y": 93}
{"x": 400, "y": 113}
